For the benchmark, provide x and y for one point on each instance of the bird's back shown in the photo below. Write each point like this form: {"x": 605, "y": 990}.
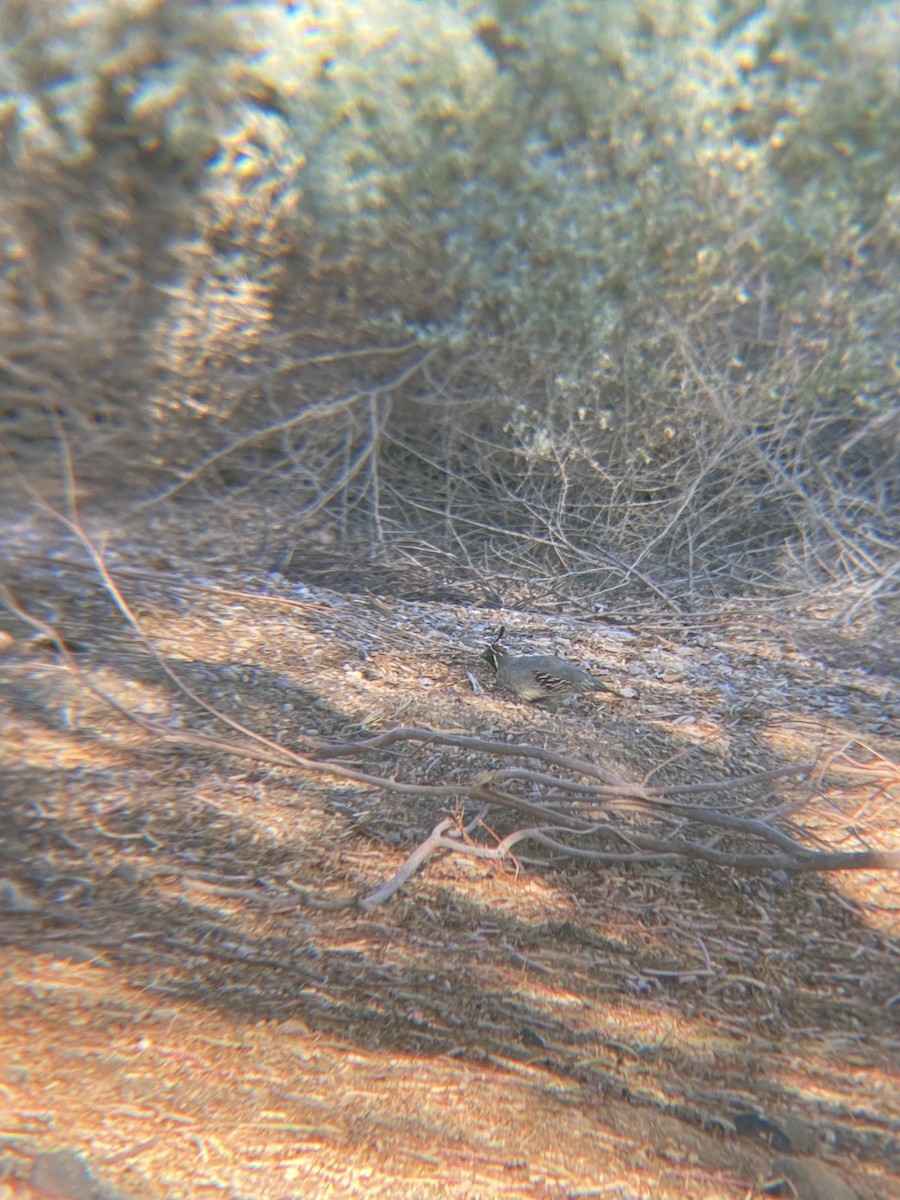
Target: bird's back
{"x": 540, "y": 676}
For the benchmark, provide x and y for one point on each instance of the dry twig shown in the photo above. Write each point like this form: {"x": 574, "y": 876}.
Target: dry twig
{"x": 576, "y": 807}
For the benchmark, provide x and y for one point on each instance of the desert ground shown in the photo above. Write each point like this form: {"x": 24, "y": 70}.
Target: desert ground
{"x": 198, "y": 996}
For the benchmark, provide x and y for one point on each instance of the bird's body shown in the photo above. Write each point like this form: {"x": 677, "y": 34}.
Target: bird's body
{"x": 539, "y": 676}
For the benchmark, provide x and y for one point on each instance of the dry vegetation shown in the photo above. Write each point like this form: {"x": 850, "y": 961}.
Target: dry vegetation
{"x": 333, "y": 338}
{"x": 204, "y": 988}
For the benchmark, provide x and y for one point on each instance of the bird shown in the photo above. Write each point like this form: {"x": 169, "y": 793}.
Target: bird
{"x": 538, "y": 677}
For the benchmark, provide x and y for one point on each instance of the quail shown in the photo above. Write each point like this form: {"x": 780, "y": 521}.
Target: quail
{"x": 539, "y": 676}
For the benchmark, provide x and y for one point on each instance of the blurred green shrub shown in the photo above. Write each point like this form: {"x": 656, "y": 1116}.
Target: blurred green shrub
{"x": 659, "y": 235}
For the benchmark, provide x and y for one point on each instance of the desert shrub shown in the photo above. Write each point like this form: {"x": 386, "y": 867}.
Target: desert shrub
{"x": 642, "y": 253}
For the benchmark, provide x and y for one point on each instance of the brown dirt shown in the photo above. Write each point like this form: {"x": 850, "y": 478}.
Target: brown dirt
{"x": 174, "y": 1017}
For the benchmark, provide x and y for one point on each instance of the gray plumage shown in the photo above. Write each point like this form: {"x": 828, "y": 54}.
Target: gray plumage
{"x": 539, "y": 676}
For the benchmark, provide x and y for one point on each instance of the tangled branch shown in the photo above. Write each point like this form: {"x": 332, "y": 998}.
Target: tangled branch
{"x": 573, "y": 807}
